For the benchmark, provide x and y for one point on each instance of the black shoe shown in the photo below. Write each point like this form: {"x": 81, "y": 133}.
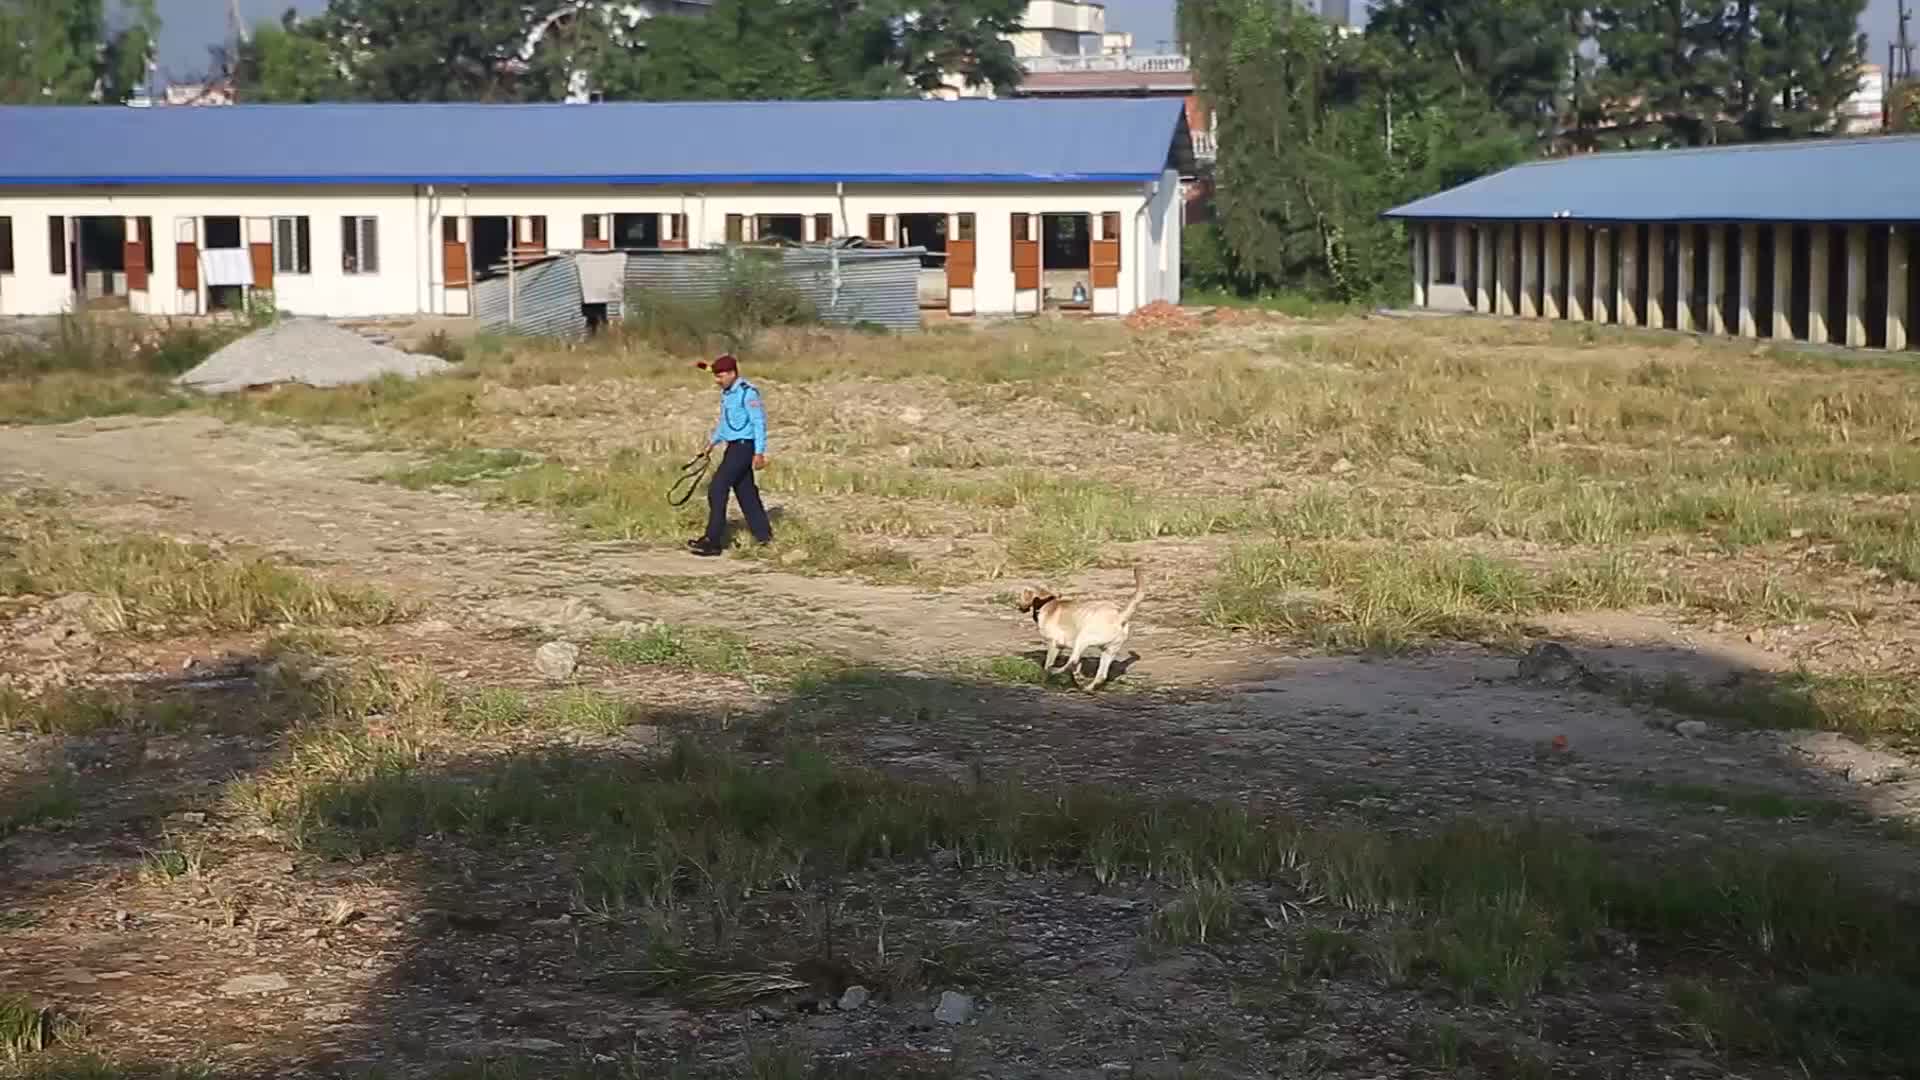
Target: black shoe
{"x": 704, "y": 549}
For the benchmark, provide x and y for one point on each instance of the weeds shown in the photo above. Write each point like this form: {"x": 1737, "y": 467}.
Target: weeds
{"x": 1392, "y": 599}
{"x": 93, "y": 366}
{"x": 1870, "y": 706}
{"x": 143, "y": 583}
{"x": 452, "y": 468}
{"x": 37, "y": 800}
{"x": 25, "y": 1027}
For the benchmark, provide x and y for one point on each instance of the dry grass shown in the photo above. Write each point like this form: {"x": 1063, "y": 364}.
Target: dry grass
{"x": 146, "y": 584}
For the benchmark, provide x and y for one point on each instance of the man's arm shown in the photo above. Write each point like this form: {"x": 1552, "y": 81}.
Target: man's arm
{"x": 757, "y": 419}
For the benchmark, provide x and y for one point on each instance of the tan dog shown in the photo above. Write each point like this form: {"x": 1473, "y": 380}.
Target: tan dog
{"x": 1080, "y": 625}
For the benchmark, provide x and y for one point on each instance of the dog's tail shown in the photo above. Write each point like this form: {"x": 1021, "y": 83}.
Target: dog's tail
{"x": 1139, "y": 594}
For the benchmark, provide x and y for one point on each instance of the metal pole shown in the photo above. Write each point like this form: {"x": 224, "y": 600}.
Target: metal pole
{"x": 513, "y": 241}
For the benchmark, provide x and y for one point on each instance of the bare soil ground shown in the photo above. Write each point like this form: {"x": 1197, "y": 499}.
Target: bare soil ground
{"x": 271, "y": 959}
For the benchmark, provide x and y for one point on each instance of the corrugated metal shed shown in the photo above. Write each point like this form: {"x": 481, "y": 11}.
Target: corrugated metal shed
{"x": 1873, "y": 179}
{"x": 545, "y": 301}
{"x": 845, "y": 285}
{"x": 903, "y": 141}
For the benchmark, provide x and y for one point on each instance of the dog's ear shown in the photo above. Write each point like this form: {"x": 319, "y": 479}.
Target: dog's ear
{"x": 1028, "y": 598}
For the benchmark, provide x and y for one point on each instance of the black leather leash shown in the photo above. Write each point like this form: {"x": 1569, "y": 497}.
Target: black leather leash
{"x": 690, "y": 475}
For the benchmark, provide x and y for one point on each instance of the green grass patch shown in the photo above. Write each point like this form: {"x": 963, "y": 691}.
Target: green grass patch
{"x": 1748, "y": 802}
{"x": 1389, "y": 599}
{"x": 37, "y": 800}
{"x": 143, "y": 582}
{"x": 1871, "y": 706}
{"x": 453, "y": 468}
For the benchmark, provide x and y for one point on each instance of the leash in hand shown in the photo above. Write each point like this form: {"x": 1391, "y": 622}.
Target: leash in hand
{"x": 690, "y": 475}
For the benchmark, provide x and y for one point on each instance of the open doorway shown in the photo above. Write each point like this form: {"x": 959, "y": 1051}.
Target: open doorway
{"x": 788, "y": 227}
{"x": 1066, "y": 256}
{"x": 636, "y": 230}
{"x": 100, "y": 254}
{"x": 929, "y": 232}
{"x": 490, "y": 235}
{"x": 224, "y": 234}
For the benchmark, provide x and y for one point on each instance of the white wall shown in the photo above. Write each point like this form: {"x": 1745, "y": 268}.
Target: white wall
{"x": 411, "y": 280}
{"x": 1160, "y": 273}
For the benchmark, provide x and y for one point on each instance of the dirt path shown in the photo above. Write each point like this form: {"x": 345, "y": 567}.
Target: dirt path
{"x": 1411, "y": 737}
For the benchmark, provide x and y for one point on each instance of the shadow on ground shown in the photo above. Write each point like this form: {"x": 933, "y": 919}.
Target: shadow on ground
{"x": 568, "y": 902}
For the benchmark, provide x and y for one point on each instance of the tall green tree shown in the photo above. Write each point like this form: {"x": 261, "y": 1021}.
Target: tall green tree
{"x": 1519, "y": 56}
{"x": 290, "y": 62}
{"x": 417, "y": 50}
{"x": 1318, "y": 133}
{"x": 68, "y": 52}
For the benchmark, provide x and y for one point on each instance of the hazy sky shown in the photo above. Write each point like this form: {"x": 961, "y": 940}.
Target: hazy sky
{"x": 191, "y": 25}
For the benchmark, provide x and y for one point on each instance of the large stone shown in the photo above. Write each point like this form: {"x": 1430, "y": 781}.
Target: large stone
{"x": 247, "y": 985}
{"x": 557, "y": 660}
{"x": 953, "y": 1008}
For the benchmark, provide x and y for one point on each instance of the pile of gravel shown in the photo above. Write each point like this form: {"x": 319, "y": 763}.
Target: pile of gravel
{"x": 309, "y": 351}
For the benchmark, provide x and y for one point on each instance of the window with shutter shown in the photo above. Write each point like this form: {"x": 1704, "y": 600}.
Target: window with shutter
{"x": 292, "y": 246}
{"x": 736, "y": 228}
{"x": 822, "y": 228}
{"x": 6, "y": 245}
{"x": 360, "y": 245}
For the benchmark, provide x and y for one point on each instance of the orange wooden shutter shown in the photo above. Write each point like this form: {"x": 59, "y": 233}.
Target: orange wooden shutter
{"x": 960, "y": 256}
{"x": 133, "y": 256}
{"x": 822, "y": 228}
{"x": 876, "y": 228}
{"x": 594, "y": 239}
{"x": 186, "y": 265}
{"x": 1026, "y": 256}
{"x": 1105, "y": 254}
{"x": 599, "y": 244}
{"x": 261, "y": 256}
{"x": 453, "y": 257}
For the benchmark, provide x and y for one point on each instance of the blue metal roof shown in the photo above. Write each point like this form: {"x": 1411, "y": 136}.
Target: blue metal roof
{"x": 1871, "y": 179}
{"x": 792, "y": 142}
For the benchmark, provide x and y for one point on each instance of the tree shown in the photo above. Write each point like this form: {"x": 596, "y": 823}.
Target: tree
{"x": 1701, "y": 72}
{"x": 63, "y": 52}
{"x": 287, "y": 63}
{"x": 763, "y": 49}
{"x": 1317, "y": 135}
{"x": 1519, "y": 56}
{"x": 404, "y": 50}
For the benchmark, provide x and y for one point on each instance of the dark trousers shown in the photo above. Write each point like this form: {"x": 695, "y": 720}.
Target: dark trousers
{"x": 735, "y": 475}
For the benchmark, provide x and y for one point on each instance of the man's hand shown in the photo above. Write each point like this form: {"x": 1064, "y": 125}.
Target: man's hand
{"x": 759, "y": 461}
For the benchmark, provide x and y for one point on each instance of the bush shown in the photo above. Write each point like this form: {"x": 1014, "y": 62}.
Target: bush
{"x": 753, "y": 294}
{"x": 80, "y": 343}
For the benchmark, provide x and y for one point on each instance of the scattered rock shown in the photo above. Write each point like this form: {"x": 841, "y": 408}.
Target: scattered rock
{"x": 329, "y": 1014}
{"x": 1551, "y": 664}
{"x": 1341, "y": 467}
{"x": 953, "y": 1008}
{"x": 244, "y": 985}
{"x": 793, "y": 558}
{"x": 557, "y": 660}
{"x": 854, "y": 998}
{"x": 911, "y": 415}
{"x": 1692, "y": 729}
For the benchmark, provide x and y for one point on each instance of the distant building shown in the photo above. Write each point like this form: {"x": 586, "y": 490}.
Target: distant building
{"x": 1866, "y": 110}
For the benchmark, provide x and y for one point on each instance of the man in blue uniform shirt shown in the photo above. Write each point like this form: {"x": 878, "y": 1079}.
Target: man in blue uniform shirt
{"x": 743, "y": 431}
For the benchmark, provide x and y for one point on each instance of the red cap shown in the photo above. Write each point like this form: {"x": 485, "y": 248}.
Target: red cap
{"x": 723, "y": 362}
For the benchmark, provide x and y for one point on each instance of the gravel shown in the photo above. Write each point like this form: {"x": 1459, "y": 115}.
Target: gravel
{"x": 309, "y": 351}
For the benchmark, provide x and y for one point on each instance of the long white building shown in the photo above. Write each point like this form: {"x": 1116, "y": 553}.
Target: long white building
{"x": 371, "y": 210}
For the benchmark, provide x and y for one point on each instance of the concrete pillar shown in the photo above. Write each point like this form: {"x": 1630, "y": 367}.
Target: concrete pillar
{"x": 1463, "y": 257}
{"x": 1579, "y": 289}
{"x": 1783, "y": 281}
{"x": 1419, "y": 245}
{"x": 1716, "y": 279}
{"x": 1556, "y": 278}
{"x": 1857, "y": 286}
{"x": 1749, "y": 279}
{"x": 1657, "y": 276}
{"x": 1483, "y": 277}
{"x": 1603, "y": 291}
{"x": 1627, "y": 309}
{"x": 1899, "y": 279}
{"x": 1530, "y": 269}
{"x": 1510, "y": 268}
{"x": 1819, "y": 265}
{"x": 1683, "y": 280}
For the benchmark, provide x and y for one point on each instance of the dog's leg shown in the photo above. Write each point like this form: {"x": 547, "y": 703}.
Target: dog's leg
{"x": 1073, "y": 660}
{"x": 1053, "y": 653}
{"x": 1100, "y": 676}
